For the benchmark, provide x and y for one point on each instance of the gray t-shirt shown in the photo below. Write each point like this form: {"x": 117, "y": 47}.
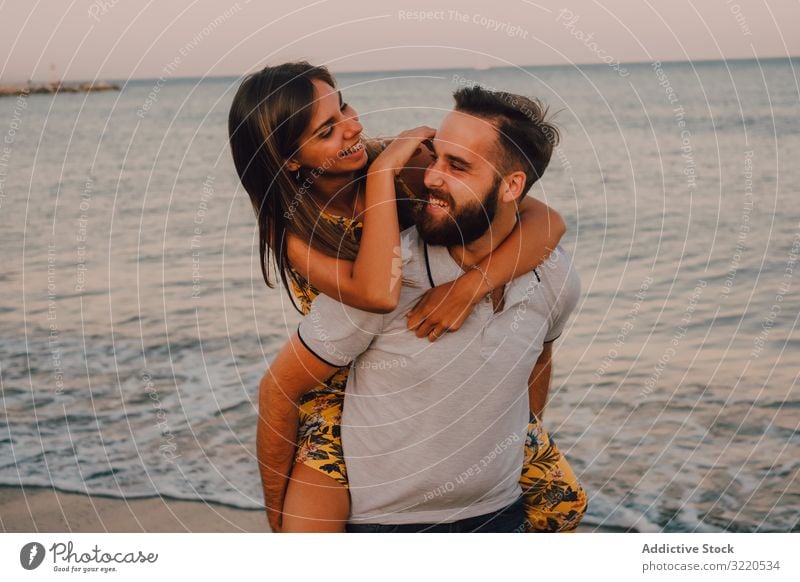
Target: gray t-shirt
{"x": 435, "y": 432}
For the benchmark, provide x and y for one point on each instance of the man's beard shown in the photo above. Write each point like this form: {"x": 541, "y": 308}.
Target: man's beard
{"x": 459, "y": 227}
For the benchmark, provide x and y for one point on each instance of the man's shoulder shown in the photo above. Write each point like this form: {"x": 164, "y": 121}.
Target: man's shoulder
{"x": 560, "y": 278}
{"x": 558, "y": 275}
{"x": 557, "y": 266}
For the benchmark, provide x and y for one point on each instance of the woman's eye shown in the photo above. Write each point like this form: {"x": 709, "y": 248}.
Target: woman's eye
{"x": 344, "y": 106}
{"x": 326, "y": 133}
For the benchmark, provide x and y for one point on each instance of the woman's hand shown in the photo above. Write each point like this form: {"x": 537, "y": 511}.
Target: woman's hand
{"x": 403, "y": 147}
{"x": 445, "y": 307}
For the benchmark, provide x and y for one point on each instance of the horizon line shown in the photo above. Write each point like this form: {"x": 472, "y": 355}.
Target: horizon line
{"x": 433, "y": 69}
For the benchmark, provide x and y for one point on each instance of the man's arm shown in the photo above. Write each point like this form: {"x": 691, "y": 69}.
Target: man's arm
{"x": 568, "y": 292}
{"x": 295, "y": 371}
{"x": 539, "y": 380}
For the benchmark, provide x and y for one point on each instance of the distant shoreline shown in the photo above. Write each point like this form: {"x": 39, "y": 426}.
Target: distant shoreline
{"x": 18, "y": 89}
{"x": 600, "y": 65}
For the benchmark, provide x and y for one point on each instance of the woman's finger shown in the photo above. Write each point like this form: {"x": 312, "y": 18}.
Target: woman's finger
{"x": 437, "y": 332}
{"x": 425, "y": 328}
{"x": 414, "y": 321}
{"x": 417, "y": 313}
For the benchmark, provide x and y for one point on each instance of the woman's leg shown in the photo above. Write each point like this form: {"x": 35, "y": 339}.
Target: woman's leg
{"x": 317, "y": 499}
{"x": 314, "y": 502}
{"x": 554, "y": 499}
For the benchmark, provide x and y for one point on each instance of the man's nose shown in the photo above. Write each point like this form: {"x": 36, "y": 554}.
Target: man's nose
{"x": 433, "y": 177}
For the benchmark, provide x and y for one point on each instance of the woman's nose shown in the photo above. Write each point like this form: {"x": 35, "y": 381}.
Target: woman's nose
{"x": 353, "y": 127}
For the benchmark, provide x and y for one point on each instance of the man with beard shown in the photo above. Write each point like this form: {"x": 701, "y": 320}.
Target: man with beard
{"x": 440, "y": 436}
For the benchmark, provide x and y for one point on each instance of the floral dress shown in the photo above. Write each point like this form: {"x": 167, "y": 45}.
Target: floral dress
{"x": 554, "y": 499}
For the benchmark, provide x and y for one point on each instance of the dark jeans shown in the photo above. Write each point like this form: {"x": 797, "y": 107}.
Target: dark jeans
{"x": 510, "y": 519}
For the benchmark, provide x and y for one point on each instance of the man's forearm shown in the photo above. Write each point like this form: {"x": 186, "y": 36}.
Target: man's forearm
{"x": 539, "y": 381}
{"x": 294, "y": 372}
{"x": 275, "y": 442}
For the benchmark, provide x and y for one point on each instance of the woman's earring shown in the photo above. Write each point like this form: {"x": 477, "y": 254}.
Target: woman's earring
{"x": 297, "y": 175}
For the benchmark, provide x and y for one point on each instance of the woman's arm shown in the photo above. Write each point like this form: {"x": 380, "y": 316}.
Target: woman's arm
{"x": 372, "y": 281}
{"x": 445, "y": 307}
{"x": 294, "y": 372}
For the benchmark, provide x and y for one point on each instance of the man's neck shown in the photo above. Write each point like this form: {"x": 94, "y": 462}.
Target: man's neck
{"x": 474, "y": 252}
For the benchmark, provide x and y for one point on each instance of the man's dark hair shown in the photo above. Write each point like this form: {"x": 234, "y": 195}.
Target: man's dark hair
{"x": 525, "y": 136}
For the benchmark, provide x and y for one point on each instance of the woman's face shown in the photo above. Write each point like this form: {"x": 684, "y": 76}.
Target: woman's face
{"x": 332, "y": 142}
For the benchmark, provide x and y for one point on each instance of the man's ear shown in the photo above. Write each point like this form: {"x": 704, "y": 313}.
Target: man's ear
{"x": 512, "y": 186}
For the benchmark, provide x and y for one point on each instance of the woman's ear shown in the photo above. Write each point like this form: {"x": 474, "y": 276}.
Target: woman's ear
{"x": 512, "y": 186}
{"x": 292, "y": 165}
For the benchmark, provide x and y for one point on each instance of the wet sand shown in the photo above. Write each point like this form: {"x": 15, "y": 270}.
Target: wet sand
{"x": 38, "y": 509}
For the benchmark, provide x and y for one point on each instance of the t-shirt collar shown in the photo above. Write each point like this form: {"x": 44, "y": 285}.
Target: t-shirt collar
{"x": 442, "y": 268}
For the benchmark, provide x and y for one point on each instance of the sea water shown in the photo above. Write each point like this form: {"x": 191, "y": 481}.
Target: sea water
{"x": 135, "y": 326}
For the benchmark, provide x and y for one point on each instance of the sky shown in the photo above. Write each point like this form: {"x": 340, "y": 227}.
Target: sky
{"x": 46, "y": 40}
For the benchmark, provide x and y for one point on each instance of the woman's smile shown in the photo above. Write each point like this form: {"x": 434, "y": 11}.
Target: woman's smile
{"x": 354, "y": 151}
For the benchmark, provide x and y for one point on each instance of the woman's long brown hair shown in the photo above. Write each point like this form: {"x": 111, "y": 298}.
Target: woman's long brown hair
{"x": 271, "y": 110}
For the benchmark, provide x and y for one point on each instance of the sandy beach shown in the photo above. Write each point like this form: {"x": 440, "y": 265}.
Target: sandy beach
{"x": 46, "y": 510}
{"x": 38, "y": 509}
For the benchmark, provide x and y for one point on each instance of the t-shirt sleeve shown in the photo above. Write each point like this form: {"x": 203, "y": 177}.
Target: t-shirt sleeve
{"x": 337, "y": 333}
{"x": 568, "y": 296}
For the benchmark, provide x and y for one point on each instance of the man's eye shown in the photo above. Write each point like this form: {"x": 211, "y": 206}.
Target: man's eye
{"x": 456, "y": 167}
{"x": 344, "y": 106}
